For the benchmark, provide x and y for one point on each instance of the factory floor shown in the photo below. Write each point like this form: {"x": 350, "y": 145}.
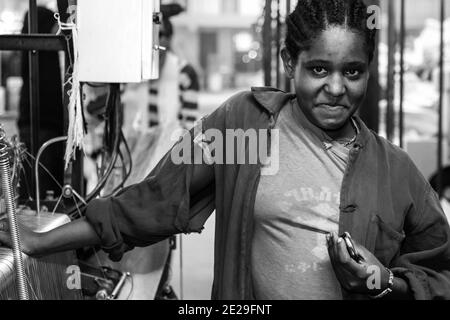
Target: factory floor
{"x": 198, "y": 261}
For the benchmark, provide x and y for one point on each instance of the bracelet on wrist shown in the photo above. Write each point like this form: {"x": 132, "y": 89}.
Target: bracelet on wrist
{"x": 389, "y": 287}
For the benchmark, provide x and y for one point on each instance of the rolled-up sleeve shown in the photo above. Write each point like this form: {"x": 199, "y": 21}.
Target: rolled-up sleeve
{"x": 164, "y": 203}
{"x": 145, "y": 213}
{"x": 160, "y": 206}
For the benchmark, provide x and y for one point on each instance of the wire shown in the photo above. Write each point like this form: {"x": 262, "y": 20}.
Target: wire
{"x": 120, "y": 185}
{"x": 31, "y": 287}
{"x": 57, "y": 204}
{"x": 45, "y": 169}
{"x": 27, "y": 186}
{"x": 127, "y": 147}
{"x": 76, "y": 204}
{"x": 126, "y": 173}
{"x": 132, "y": 286}
{"x": 112, "y": 104}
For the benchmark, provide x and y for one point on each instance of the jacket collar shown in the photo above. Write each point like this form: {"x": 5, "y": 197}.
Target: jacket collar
{"x": 273, "y": 100}
{"x": 364, "y": 134}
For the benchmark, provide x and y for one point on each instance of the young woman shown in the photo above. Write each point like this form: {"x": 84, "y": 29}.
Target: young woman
{"x": 277, "y": 234}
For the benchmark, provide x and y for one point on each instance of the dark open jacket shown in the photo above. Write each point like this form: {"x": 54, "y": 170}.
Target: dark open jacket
{"x": 386, "y": 204}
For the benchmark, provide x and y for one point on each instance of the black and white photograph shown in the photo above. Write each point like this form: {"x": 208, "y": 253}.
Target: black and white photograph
{"x": 251, "y": 151}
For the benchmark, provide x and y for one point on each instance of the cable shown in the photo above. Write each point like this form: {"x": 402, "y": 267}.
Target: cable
{"x": 121, "y": 184}
{"x": 36, "y": 167}
{"x": 126, "y": 173}
{"x": 127, "y": 148}
{"x": 44, "y": 168}
{"x": 113, "y": 103}
{"x": 27, "y": 186}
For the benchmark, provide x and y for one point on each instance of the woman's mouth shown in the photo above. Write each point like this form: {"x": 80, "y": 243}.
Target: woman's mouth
{"x": 332, "y": 106}
{"x": 337, "y": 108}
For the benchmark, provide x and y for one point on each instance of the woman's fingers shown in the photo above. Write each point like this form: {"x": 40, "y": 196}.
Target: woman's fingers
{"x": 331, "y": 253}
{"x": 347, "y": 261}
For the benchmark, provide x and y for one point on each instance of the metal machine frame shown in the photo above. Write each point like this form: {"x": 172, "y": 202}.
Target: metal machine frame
{"x": 33, "y": 43}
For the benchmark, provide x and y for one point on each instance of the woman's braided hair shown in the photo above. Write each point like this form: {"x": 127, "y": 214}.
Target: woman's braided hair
{"x": 310, "y": 17}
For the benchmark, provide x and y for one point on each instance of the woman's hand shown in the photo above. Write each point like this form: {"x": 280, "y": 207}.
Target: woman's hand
{"x": 71, "y": 236}
{"x": 368, "y": 276}
{"x": 29, "y": 240}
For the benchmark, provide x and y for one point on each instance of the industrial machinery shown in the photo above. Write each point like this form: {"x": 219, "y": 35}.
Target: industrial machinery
{"x": 81, "y": 274}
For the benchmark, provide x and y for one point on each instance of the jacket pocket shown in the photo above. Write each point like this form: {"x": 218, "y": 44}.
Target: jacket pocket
{"x": 383, "y": 240}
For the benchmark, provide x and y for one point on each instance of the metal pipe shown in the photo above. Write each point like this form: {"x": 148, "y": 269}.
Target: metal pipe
{"x": 402, "y": 70}
{"x": 390, "y": 115}
{"x": 181, "y": 269}
{"x": 119, "y": 286}
{"x": 278, "y": 47}
{"x": 441, "y": 99}
{"x": 8, "y": 191}
{"x": 33, "y": 61}
{"x": 29, "y": 42}
{"x": 267, "y": 43}
{"x": 36, "y": 168}
{"x": 287, "y": 84}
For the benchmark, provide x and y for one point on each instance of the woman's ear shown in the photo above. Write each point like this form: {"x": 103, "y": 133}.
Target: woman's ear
{"x": 288, "y": 62}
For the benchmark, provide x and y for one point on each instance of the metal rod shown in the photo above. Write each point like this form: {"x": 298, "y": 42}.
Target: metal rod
{"x": 119, "y": 286}
{"x": 287, "y": 83}
{"x": 278, "y": 42}
{"x": 181, "y": 268}
{"x": 8, "y": 191}
{"x": 402, "y": 70}
{"x": 441, "y": 99}
{"x": 267, "y": 43}
{"x": 29, "y": 42}
{"x": 36, "y": 168}
{"x": 33, "y": 59}
{"x": 66, "y": 85}
{"x": 391, "y": 71}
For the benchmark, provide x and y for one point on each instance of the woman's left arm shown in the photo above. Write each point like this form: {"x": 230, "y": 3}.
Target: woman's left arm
{"x": 421, "y": 269}
{"x": 424, "y": 260}
{"x": 367, "y": 276}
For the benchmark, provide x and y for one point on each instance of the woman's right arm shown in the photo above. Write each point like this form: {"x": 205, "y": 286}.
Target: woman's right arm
{"x": 74, "y": 235}
{"x": 140, "y": 215}
{"x": 80, "y": 233}
{"x": 71, "y": 236}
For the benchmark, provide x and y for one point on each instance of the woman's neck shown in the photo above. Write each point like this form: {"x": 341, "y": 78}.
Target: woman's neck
{"x": 348, "y": 131}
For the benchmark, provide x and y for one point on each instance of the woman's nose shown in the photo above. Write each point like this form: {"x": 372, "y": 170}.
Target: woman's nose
{"x": 335, "y": 85}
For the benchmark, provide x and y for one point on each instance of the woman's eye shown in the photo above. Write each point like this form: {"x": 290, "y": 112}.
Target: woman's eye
{"x": 319, "y": 71}
{"x": 352, "y": 73}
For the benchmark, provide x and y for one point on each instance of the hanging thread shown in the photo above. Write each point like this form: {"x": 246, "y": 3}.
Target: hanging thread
{"x": 76, "y": 131}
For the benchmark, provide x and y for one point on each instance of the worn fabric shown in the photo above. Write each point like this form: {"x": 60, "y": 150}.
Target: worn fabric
{"x": 385, "y": 203}
{"x": 294, "y": 209}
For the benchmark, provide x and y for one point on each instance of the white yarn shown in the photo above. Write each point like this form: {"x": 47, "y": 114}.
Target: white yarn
{"x": 76, "y": 127}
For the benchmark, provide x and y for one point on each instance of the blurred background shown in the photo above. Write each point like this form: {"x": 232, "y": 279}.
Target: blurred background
{"x": 234, "y": 44}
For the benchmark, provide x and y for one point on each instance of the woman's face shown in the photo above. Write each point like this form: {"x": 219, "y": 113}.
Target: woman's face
{"x": 331, "y": 79}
